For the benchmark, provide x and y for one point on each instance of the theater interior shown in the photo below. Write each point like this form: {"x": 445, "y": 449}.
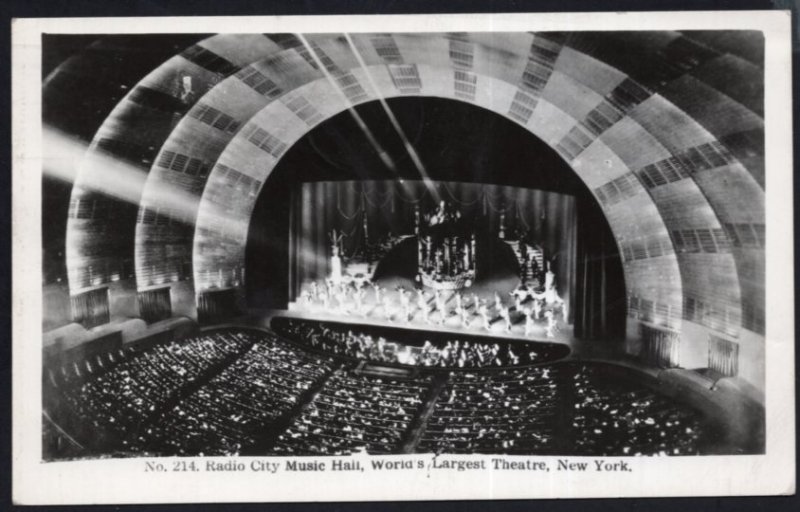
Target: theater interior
{"x": 543, "y": 243}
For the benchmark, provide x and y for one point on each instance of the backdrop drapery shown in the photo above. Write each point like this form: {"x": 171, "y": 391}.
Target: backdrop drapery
{"x": 600, "y": 296}
{"x": 573, "y": 232}
{"x": 369, "y": 211}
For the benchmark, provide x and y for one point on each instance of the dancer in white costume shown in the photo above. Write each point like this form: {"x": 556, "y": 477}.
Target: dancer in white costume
{"x": 405, "y": 303}
{"x": 550, "y": 294}
{"x": 336, "y": 260}
{"x": 422, "y": 304}
{"x": 529, "y": 322}
{"x": 341, "y": 300}
{"x": 537, "y": 308}
{"x": 483, "y": 310}
{"x": 359, "y": 297}
{"x": 460, "y": 310}
{"x": 505, "y": 314}
{"x": 326, "y": 300}
{"x": 387, "y": 307}
{"x": 330, "y": 288}
{"x": 551, "y": 324}
{"x": 441, "y": 307}
{"x": 520, "y": 293}
{"x": 464, "y": 317}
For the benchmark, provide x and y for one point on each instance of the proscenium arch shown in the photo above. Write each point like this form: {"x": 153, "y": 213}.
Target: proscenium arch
{"x": 255, "y": 160}
{"x": 724, "y": 261}
{"x": 458, "y": 142}
{"x": 223, "y": 223}
{"x": 727, "y": 270}
{"x": 648, "y": 131}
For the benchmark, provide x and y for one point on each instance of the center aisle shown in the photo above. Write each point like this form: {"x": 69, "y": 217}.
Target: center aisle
{"x": 421, "y": 422}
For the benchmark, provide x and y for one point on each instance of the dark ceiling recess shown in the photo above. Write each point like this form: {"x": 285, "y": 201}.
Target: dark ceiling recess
{"x": 455, "y": 141}
{"x": 85, "y": 77}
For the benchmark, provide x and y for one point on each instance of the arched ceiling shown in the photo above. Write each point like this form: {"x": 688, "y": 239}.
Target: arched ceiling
{"x": 665, "y": 128}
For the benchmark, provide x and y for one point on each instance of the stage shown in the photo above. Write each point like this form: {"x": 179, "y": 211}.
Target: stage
{"x": 373, "y": 313}
{"x": 464, "y": 258}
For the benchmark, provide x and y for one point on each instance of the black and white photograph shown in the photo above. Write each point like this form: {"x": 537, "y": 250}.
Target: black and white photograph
{"x": 492, "y": 250}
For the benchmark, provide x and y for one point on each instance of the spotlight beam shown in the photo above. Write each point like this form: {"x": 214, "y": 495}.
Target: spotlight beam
{"x": 395, "y": 123}
{"x": 387, "y": 160}
{"x": 96, "y": 172}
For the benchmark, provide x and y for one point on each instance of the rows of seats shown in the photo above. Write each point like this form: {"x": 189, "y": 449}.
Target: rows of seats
{"x": 509, "y": 411}
{"x": 119, "y": 401}
{"x": 237, "y": 392}
{"x": 614, "y": 419}
{"x": 563, "y": 409}
{"x": 66, "y": 374}
{"x": 355, "y": 413}
{"x": 234, "y": 410}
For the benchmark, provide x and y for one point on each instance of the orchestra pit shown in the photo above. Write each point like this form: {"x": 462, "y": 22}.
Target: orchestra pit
{"x": 439, "y": 243}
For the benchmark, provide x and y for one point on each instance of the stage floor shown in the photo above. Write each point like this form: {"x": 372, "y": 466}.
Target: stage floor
{"x": 564, "y": 335}
{"x": 373, "y": 313}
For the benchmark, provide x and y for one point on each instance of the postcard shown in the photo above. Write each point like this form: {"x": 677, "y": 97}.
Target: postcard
{"x": 367, "y": 258}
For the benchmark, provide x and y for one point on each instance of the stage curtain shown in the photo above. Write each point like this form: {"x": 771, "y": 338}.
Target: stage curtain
{"x": 313, "y": 214}
{"x": 600, "y": 302}
{"x": 319, "y": 207}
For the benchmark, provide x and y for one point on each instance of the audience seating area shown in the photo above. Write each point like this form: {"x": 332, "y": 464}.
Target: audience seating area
{"x": 355, "y": 413}
{"x": 242, "y": 391}
{"x": 614, "y": 419}
{"x": 233, "y": 411}
{"x": 120, "y": 401}
{"x": 570, "y": 408}
{"x": 509, "y": 411}
{"x": 73, "y": 371}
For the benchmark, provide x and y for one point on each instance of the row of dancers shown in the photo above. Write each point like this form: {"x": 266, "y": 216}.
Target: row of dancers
{"x": 352, "y": 299}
